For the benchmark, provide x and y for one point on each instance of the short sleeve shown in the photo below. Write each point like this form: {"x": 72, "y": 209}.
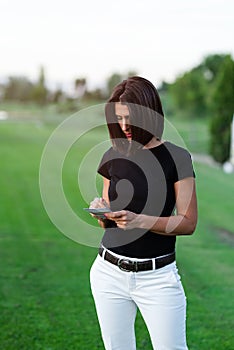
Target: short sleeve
{"x": 105, "y": 165}
{"x": 183, "y": 164}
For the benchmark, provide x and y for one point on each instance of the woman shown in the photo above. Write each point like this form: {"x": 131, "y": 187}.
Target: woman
{"x": 149, "y": 186}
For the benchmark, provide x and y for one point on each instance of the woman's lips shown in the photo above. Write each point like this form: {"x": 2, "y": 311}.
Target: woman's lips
{"x": 128, "y": 135}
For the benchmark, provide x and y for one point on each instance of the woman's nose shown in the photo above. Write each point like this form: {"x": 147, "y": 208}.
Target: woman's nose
{"x": 124, "y": 124}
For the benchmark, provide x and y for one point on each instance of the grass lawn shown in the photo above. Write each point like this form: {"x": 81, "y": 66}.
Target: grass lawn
{"x": 45, "y": 298}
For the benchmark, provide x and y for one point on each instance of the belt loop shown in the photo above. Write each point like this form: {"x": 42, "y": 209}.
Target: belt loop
{"x": 103, "y": 252}
{"x": 153, "y": 264}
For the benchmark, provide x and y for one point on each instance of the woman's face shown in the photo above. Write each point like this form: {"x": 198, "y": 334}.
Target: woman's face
{"x": 122, "y": 114}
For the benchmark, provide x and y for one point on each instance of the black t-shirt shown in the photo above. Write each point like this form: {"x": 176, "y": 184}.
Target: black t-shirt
{"x": 143, "y": 183}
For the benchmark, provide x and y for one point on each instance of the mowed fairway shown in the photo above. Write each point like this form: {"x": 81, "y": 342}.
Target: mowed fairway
{"x": 45, "y": 298}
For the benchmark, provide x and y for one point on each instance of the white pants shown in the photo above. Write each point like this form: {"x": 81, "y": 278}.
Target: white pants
{"x": 159, "y": 296}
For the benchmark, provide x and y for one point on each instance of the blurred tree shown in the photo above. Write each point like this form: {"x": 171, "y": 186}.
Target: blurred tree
{"x": 57, "y": 96}
{"x": 211, "y": 66}
{"x": 18, "y": 89}
{"x": 80, "y": 87}
{"x": 189, "y": 91}
{"x": 112, "y": 81}
{"x": 67, "y": 105}
{"x": 39, "y": 92}
{"x": 95, "y": 95}
{"x": 2, "y": 91}
{"x": 223, "y": 109}
{"x": 163, "y": 87}
{"x": 131, "y": 73}
{"x": 192, "y": 91}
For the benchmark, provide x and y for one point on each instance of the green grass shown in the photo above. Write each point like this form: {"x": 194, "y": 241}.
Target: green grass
{"x": 194, "y": 133}
{"x": 45, "y": 298}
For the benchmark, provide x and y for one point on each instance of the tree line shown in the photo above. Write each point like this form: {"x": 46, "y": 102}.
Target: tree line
{"x": 205, "y": 91}
{"x": 22, "y": 89}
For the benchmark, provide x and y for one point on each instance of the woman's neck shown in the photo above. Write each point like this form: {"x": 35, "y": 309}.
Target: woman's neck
{"x": 153, "y": 143}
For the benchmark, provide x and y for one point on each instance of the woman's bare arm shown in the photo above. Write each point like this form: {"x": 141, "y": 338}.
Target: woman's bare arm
{"x": 105, "y": 196}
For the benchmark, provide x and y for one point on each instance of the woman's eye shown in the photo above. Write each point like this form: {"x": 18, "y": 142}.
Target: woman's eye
{"x": 121, "y": 118}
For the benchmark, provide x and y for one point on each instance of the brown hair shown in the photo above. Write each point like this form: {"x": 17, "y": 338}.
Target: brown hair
{"x": 145, "y": 109}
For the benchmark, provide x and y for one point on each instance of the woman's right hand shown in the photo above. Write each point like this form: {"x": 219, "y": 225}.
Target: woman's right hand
{"x": 98, "y": 203}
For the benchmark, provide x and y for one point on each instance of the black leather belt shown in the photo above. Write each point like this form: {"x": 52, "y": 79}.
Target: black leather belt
{"x": 136, "y": 266}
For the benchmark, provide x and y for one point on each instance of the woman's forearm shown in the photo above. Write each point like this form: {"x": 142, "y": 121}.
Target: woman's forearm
{"x": 170, "y": 226}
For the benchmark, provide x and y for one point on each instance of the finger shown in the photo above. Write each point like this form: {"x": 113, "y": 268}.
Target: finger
{"x": 99, "y": 203}
{"x": 115, "y": 214}
{"x": 123, "y": 227}
{"x": 93, "y": 215}
{"x": 121, "y": 220}
{"x": 96, "y": 203}
{"x": 104, "y": 202}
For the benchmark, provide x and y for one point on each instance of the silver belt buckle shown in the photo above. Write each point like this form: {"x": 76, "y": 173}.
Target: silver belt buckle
{"x": 126, "y": 261}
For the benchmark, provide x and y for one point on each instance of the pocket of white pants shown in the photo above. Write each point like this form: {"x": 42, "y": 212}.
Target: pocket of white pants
{"x": 173, "y": 275}
{"x": 98, "y": 274}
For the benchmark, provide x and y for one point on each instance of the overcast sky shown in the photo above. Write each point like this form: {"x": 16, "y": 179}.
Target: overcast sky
{"x": 92, "y": 39}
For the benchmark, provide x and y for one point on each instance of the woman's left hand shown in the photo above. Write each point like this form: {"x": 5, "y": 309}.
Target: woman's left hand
{"x": 124, "y": 219}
